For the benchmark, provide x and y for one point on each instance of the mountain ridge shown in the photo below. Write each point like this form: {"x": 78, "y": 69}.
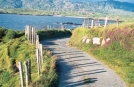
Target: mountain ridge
{"x": 85, "y": 7}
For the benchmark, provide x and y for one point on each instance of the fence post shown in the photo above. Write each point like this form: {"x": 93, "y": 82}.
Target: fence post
{"x": 38, "y": 64}
{"x": 26, "y": 31}
{"x": 21, "y": 74}
{"x": 32, "y": 34}
{"x": 83, "y": 24}
{"x": 117, "y": 21}
{"x": 41, "y": 53}
{"x": 37, "y": 41}
{"x": 105, "y": 22}
{"x": 29, "y": 70}
{"x": 27, "y": 73}
{"x": 92, "y": 24}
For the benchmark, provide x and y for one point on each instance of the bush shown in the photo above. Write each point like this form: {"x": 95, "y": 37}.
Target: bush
{"x": 12, "y": 50}
{"x": 2, "y": 32}
{"x": 10, "y": 34}
{"x": 5, "y": 77}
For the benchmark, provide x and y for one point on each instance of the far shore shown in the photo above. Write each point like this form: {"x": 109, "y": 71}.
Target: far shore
{"x": 63, "y": 16}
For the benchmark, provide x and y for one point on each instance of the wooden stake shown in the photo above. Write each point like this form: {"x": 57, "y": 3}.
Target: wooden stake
{"x": 37, "y": 41}
{"x": 41, "y": 53}
{"x": 92, "y": 24}
{"x": 29, "y": 70}
{"x": 83, "y": 24}
{"x": 27, "y": 73}
{"x": 32, "y": 32}
{"x": 105, "y": 22}
{"x": 117, "y": 21}
{"x": 38, "y": 64}
{"x": 28, "y": 32}
{"x": 25, "y": 30}
{"x": 21, "y": 74}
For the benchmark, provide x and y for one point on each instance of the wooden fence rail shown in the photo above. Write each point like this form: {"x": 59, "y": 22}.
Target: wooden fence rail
{"x": 91, "y": 23}
{"x": 33, "y": 38}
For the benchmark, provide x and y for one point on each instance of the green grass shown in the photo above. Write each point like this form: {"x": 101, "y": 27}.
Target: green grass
{"x": 49, "y": 34}
{"x": 117, "y": 53}
{"x": 18, "y": 49}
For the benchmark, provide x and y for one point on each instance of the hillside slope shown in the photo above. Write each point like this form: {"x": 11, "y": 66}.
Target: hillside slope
{"x": 117, "y": 52}
{"x": 81, "y": 7}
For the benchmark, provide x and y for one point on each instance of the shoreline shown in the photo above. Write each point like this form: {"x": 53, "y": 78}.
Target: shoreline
{"x": 62, "y": 16}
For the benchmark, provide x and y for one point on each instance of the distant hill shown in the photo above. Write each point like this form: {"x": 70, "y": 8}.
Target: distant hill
{"x": 83, "y": 6}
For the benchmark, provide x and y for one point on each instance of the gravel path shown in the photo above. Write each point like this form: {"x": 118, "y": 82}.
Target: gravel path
{"x": 78, "y": 69}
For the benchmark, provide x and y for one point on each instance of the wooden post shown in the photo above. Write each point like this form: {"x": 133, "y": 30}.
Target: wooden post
{"x": 37, "y": 41}
{"x": 88, "y": 22}
{"x": 21, "y": 74}
{"x": 92, "y": 24}
{"x": 105, "y": 22}
{"x": 38, "y": 64}
{"x": 27, "y": 73}
{"x": 117, "y": 21}
{"x": 32, "y": 32}
{"x": 34, "y": 35}
{"x": 41, "y": 53}
{"x": 83, "y": 24}
{"x": 28, "y": 30}
{"x": 98, "y": 23}
{"x": 29, "y": 70}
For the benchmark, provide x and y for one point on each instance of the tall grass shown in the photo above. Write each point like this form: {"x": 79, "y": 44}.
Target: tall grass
{"x": 17, "y": 49}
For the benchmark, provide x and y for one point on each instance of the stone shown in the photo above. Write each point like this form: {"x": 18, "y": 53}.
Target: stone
{"x": 103, "y": 42}
{"x": 96, "y": 40}
{"x": 108, "y": 39}
{"x": 83, "y": 40}
{"x": 88, "y": 40}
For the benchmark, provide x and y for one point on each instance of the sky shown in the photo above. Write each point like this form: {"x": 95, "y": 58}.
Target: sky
{"x": 131, "y": 1}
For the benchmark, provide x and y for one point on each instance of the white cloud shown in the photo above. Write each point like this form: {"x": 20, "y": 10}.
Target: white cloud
{"x": 106, "y": 0}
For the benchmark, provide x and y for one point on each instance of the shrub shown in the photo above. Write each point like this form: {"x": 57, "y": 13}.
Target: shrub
{"x": 12, "y": 50}
{"x": 10, "y": 34}
{"x": 2, "y": 32}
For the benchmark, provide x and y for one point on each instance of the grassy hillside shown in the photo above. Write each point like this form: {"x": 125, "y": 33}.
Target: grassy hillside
{"x": 117, "y": 53}
{"x": 68, "y": 8}
{"x": 15, "y": 48}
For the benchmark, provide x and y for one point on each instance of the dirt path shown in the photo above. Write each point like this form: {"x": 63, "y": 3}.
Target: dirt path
{"x": 78, "y": 69}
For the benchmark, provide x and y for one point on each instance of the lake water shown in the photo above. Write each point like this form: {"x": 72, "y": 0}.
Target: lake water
{"x": 18, "y": 22}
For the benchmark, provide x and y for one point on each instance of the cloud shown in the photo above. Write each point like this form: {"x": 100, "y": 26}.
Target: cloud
{"x": 131, "y": 1}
